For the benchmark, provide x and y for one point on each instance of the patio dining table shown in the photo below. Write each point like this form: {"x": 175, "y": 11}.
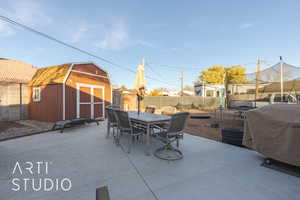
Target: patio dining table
{"x": 147, "y": 119}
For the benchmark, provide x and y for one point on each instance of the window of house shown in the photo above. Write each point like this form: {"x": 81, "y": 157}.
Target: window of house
{"x": 36, "y": 94}
{"x": 209, "y": 93}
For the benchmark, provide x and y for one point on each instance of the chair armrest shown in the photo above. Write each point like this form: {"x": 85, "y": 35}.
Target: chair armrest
{"x": 158, "y": 127}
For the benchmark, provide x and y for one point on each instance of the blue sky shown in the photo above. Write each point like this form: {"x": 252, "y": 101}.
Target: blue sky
{"x": 186, "y": 35}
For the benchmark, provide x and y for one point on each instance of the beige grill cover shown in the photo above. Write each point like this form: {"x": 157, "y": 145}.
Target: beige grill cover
{"x": 274, "y": 131}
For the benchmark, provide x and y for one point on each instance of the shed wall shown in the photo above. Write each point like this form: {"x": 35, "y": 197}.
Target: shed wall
{"x": 50, "y": 107}
{"x": 75, "y": 78}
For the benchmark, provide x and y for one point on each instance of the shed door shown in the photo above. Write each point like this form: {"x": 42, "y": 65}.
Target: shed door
{"x": 90, "y": 101}
{"x": 98, "y": 102}
{"x": 85, "y": 100}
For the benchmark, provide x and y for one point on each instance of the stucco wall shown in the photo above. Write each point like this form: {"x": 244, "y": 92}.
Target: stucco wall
{"x": 162, "y": 101}
{"x": 10, "y": 101}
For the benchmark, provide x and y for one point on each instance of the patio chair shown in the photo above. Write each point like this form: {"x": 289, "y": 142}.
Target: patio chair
{"x": 169, "y": 135}
{"x": 150, "y": 109}
{"x": 111, "y": 120}
{"x": 125, "y": 126}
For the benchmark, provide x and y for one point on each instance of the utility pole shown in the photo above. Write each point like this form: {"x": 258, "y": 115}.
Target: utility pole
{"x": 281, "y": 78}
{"x": 257, "y": 81}
{"x": 203, "y": 93}
{"x": 226, "y": 85}
{"x": 181, "y": 80}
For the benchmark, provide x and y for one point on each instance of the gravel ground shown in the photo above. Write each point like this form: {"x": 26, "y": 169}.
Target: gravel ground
{"x": 11, "y": 129}
{"x": 5, "y": 125}
{"x": 211, "y": 128}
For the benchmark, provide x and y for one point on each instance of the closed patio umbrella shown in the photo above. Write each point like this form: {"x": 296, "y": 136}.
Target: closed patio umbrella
{"x": 140, "y": 77}
{"x": 140, "y": 84}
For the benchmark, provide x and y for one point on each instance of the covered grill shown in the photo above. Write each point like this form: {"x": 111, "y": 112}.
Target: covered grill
{"x": 274, "y": 131}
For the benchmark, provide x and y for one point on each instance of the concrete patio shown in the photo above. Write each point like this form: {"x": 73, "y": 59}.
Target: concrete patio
{"x": 209, "y": 170}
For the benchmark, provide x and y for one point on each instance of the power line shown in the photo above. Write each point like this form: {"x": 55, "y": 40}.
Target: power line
{"x": 180, "y": 68}
{"x": 154, "y": 71}
{"x": 6, "y": 19}
{"x": 159, "y": 75}
{"x": 174, "y": 67}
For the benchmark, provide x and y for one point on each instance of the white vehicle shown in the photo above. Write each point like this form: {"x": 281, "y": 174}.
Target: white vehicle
{"x": 274, "y": 98}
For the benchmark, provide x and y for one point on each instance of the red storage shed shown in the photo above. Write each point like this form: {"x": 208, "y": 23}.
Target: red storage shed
{"x": 69, "y": 91}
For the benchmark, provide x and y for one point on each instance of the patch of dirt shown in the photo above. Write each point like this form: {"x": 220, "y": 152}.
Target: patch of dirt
{"x": 4, "y": 125}
{"x": 12, "y": 129}
{"x": 211, "y": 128}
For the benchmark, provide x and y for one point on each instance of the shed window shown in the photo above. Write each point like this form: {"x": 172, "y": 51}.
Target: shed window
{"x": 36, "y": 94}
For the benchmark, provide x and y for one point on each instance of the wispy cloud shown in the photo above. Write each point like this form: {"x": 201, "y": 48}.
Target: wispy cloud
{"x": 145, "y": 43}
{"x": 115, "y": 37}
{"x": 29, "y": 12}
{"x": 246, "y": 25}
{"x": 79, "y": 34}
{"x": 6, "y": 30}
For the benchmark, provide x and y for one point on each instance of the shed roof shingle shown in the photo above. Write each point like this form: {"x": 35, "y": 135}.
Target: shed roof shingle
{"x": 50, "y": 75}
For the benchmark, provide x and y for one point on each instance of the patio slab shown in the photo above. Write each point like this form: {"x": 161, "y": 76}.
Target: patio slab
{"x": 209, "y": 170}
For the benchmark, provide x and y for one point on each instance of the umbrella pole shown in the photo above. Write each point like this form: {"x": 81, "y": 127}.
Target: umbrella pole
{"x": 139, "y": 102}
{"x": 140, "y": 95}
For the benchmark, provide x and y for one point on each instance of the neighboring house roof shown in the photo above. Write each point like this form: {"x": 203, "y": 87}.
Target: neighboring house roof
{"x": 128, "y": 91}
{"x": 216, "y": 85}
{"x": 186, "y": 93}
{"x": 170, "y": 93}
{"x": 50, "y": 75}
{"x": 13, "y": 71}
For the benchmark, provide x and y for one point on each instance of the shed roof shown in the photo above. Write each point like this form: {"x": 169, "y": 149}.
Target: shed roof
{"x": 53, "y": 74}
{"x": 13, "y": 71}
{"x": 50, "y": 75}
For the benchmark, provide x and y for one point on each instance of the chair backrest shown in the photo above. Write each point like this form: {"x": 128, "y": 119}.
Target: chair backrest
{"x": 149, "y": 109}
{"x": 110, "y": 115}
{"x": 122, "y": 119}
{"x": 177, "y": 122}
{"x": 115, "y": 106}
